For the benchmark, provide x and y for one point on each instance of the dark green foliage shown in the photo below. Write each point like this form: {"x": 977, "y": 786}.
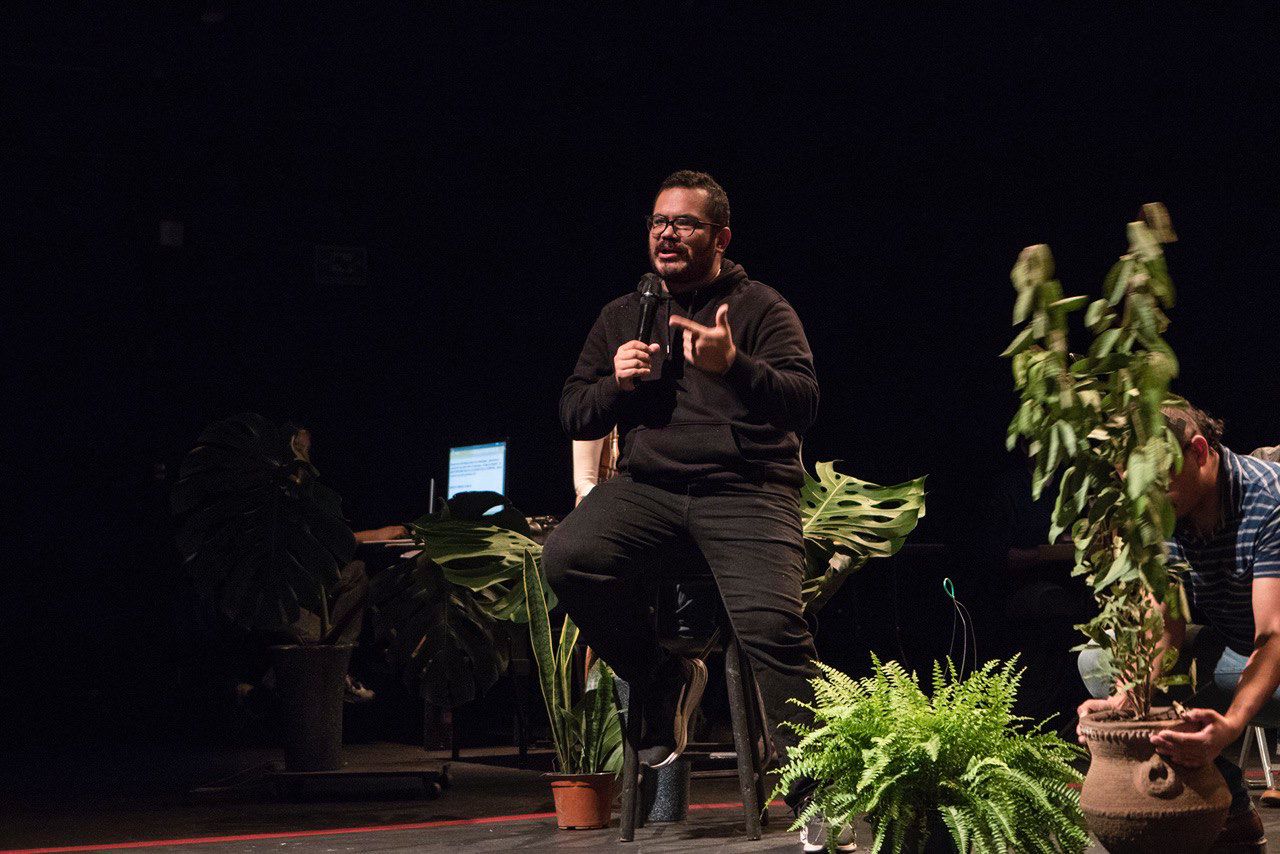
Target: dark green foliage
{"x": 257, "y": 532}
{"x": 435, "y": 633}
{"x": 586, "y": 732}
{"x": 443, "y": 617}
{"x": 879, "y": 746}
{"x": 1096, "y": 421}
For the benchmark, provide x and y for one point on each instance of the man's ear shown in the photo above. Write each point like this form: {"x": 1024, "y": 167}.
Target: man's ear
{"x": 723, "y": 236}
{"x": 1201, "y": 446}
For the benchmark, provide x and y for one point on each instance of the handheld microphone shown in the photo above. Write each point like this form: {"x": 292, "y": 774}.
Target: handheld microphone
{"x": 650, "y": 289}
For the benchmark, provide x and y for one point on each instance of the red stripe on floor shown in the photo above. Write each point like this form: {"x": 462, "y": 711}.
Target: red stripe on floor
{"x": 334, "y": 831}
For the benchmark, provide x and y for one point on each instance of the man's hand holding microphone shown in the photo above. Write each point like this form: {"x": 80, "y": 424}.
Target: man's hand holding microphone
{"x": 633, "y": 362}
{"x": 708, "y": 348}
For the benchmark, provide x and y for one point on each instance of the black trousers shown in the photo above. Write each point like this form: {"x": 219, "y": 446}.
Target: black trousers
{"x": 601, "y": 563}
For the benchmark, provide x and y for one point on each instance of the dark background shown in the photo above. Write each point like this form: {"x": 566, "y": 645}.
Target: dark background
{"x": 884, "y": 164}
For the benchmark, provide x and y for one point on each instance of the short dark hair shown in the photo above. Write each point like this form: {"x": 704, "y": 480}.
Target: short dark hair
{"x": 1187, "y": 420}
{"x": 717, "y": 198}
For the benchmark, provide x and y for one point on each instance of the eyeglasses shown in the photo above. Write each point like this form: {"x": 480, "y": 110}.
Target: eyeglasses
{"x": 683, "y": 225}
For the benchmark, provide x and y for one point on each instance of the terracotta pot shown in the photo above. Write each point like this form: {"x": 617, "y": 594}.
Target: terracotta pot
{"x": 1136, "y": 802}
{"x": 583, "y": 801}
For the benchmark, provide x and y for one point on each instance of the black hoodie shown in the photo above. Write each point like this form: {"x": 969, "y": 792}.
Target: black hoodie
{"x": 683, "y": 426}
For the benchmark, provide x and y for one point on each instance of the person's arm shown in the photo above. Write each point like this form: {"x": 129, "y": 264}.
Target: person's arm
{"x": 390, "y": 532}
{"x": 586, "y": 466}
{"x": 776, "y": 379}
{"x": 596, "y": 391}
{"x": 1205, "y": 732}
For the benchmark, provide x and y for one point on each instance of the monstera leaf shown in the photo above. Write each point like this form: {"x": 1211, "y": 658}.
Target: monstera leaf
{"x": 257, "y": 533}
{"x": 441, "y": 617}
{"x": 483, "y": 558}
{"x": 436, "y": 633}
{"x": 847, "y": 521}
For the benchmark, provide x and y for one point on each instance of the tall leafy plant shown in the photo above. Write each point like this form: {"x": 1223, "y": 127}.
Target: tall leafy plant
{"x": 584, "y": 729}
{"x": 882, "y": 747}
{"x": 1095, "y": 420}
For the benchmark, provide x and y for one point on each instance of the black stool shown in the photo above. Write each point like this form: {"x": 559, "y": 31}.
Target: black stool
{"x": 748, "y": 740}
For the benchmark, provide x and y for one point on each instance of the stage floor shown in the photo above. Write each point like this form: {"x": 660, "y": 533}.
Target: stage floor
{"x": 139, "y": 798}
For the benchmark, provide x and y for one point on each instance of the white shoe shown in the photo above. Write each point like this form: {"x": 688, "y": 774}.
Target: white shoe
{"x": 814, "y": 836}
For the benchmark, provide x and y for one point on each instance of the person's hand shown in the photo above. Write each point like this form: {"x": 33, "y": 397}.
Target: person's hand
{"x": 1196, "y": 741}
{"x": 633, "y": 362}
{"x": 708, "y": 348}
{"x": 1114, "y": 703}
{"x": 391, "y": 532}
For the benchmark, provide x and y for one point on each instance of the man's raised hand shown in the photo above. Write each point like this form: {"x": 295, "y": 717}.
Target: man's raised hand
{"x": 632, "y": 363}
{"x": 708, "y": 348}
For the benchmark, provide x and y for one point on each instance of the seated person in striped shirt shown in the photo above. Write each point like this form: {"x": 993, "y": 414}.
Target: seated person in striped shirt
{"x": 1228, "y": 533}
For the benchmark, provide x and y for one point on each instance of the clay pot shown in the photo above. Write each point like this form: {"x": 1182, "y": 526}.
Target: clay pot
{"x": 583, "y": 801}
{"x": 1136, "y": 802}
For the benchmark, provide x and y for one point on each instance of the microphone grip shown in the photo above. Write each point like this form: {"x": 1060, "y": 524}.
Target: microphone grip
{"x": 648, "y": 311}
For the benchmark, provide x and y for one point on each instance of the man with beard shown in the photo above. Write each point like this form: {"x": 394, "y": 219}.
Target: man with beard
{"x": 710, "y": 414}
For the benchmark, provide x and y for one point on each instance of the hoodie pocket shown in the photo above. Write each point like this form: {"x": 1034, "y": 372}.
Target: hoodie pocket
{"x": 683, "y": 450}
{"x": 762, "y": 443}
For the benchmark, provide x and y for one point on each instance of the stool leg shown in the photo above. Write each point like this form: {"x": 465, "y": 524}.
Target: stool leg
{"x": 743, "y": 741}
{"x": 630, "y": 768}
{"x": 759, "y": 739}
{"x": 1261, "y": 736}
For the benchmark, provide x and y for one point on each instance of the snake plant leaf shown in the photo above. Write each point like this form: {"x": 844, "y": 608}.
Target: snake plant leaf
{"x": 601, "y": 731}
{"x": 258, "y": 534}
{"x": 544, "y": 657}
{"x": 856, "y": 516}
{"x": 586, "y": 734}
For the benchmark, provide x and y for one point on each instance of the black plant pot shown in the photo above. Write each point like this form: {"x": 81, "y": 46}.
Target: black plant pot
{"x": 664, "y": 792}
{"x": 310, "y": 680}
{"x": 939, "y": 841}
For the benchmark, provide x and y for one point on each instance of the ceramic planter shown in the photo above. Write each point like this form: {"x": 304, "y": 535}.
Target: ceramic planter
{"x": 1136, "y": 802}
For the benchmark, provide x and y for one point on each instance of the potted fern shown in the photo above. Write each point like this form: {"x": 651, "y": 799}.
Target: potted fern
{"x": 1096, "y": 422}
{"x": 927, "y": 769}
{"x": 584, "y": 725}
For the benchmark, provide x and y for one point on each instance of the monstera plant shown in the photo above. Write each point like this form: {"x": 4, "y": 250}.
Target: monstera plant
{"x": 264, "y": 541}
{"x": 847, "y": 521}
{"x": 444, "y": 617}
{"x": 260, "y": 536}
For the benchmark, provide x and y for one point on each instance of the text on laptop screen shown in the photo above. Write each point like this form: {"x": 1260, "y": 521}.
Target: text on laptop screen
{"x": 478, "y": 468}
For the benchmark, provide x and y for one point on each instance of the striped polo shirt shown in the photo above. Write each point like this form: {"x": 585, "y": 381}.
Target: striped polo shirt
{"x": 1244, "y": 546}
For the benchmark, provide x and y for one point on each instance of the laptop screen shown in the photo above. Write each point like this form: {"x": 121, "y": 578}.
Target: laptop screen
{"x": 478, "y": 468}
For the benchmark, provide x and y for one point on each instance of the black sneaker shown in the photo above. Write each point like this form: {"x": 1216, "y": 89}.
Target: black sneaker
{"x": 673, "y": 696}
